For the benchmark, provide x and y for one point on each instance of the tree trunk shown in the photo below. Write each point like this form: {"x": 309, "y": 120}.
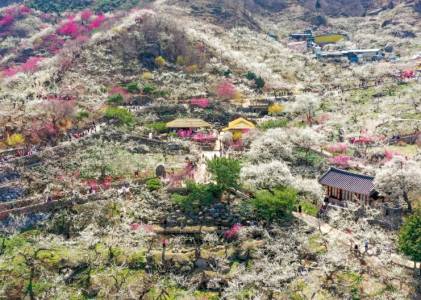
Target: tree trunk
{"x": 407, "y": 201}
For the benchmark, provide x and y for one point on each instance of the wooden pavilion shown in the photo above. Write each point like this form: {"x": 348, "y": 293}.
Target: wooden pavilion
{"x": 341, "y": 185}
{"x": 188, "y": 124}
{"x": 239, "y": 124}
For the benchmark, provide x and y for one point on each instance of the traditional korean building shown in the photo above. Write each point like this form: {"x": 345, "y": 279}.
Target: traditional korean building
{"x": 238, "y": 127}
{"x": 341, "y": 185}
{"x": 188, "y": 124}
{"x": 240, "y": 124}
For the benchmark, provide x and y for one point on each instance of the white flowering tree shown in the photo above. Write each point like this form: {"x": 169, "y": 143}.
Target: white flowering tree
{"x": 306, "y": 137}
{"x": 306, "y": 104}
{"x": 309, "y": 187}
{"x": 399, "y": 179}
{"x": 269, "y": 175}
{"x": 274, "y": 144}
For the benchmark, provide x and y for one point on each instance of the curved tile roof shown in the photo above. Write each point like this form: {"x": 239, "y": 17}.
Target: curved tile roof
{"x": 348, "y": 181}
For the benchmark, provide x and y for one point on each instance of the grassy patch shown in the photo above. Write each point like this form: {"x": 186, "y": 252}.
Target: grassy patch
{"x": 308, "y": 207}
{"x": 315, "y": 244}
{"x": 273, "y": 124}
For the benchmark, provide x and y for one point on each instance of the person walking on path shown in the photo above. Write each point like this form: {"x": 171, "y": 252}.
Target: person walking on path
{"x": 366, "y": 246}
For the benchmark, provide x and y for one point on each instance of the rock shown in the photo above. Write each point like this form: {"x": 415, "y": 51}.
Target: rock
{"x": 388, "y": 48}
{"x": 387, "y": 22}
{"x": 201, "y": 264}
{"x": 404, "y": 34}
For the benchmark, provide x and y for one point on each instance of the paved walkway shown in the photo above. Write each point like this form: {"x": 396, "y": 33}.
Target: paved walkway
{"x": 348, "y": 239}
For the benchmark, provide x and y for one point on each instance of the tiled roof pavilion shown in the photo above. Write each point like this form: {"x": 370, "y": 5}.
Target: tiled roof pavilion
{"x": 348, "y": 181}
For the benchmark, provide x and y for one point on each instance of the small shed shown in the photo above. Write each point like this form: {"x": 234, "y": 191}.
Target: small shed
{"x": 342, "y": 185}
{"x": 239, "y": 124}
{"x": 188, "y": 124}
{"x": 238, "y": 127}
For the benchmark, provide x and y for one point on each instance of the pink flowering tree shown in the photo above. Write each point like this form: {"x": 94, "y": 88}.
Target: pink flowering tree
{"x": 30, "y": 66}
{"x": 86, "y": 15}
{"x": 97, "y": 22}
{"x": 69, "y": 28}
{"x": 226, "y": 89}
{"x": 341, "y": 161}
{"x": 337, "y": 148}
{"x": 201, "y": 137}
{"x": 184, "y": 133}
{"x": 232, "y": 233}
{"x": 200, "y": 102}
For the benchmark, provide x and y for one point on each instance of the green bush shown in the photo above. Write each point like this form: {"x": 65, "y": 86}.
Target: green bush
{"x": 273, "y": 124}
{"x": 153, "y": 184}
{"x": 260, "y": 83}
{"x": 148, "y": 88}
{"x": 274, "y": 205}
{"x": 116, "y": 99}
{"x": 225, "y": 171}
{"x": 198, "y": 196}
{"x": 251, "y": 75}
{"x": 124, "y": 116}
{"x": 308, "y": 157}
{"x": 227, "y": 73}
{"x": 137, "y": 260}
{"x": 410, "y": 237}
{"x": 82, "y": 115}
{"x": 133, "y": 87}
{"x": 159, "y": 127}
{"x": 309, "y": 208}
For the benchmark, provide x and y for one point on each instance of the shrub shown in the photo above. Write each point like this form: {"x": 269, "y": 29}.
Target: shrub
{"x": 225, "y": 171}
{"x": 148, "y": 88}
{"x": 97, "y": 22}
{"x": 260, "y": 83}
{"x": 160, "y": 61}
{"x": 115, "y": 99}
{"x": 153, "y": 184}
{"x": 181, "y": 60}
{"x": 69, "y": 28}
{"x": 227, "y": 73}
{"x": 250, "y": 75}
{"x": 226, "y": 90}
{"x": 159, "y": 127}
{"x": 198, "y": 197}
{"x": 15, "y": 139}
{"x": 122, "y": 115}
{"x": 273, "y": 124}
{"x": 410, "y": 237}
{"x": 308, "y": 157}
{"x": 82, "y": 115}
{"x": 277, "y": 205}
{"x": 309, "y": 208}
{"x": 86, "y": 14}
{"x": 137, "y": 260}
{"x": 133, "y": 87}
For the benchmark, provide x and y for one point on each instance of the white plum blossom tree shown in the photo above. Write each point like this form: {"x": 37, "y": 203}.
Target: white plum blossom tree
{"x": 272, "y": 145}
{"x": 398, "y": 179}
{"x": 306, "y": 137}
{"x": 310, "y": 187}
{"x": 305, "y": 104}
{"x": 269, "y": 175}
